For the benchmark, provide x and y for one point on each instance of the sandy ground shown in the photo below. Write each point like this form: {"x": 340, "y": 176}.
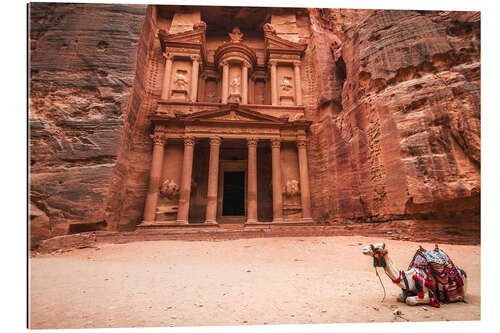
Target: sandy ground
{"x": 237, "y": 282}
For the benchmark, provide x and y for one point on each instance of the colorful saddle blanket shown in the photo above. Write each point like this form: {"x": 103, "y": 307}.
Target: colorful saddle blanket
{"x": 448, "y": 277}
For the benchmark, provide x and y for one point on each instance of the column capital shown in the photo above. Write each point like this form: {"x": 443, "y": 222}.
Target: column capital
{"x": 223, "y": 63}
{"x": 301, "y": 143}
{"x": 275, "y": 143}
{"x": 215, "y": 141}
{"x": 252, "y": 142}
{"x": 189, "y": 141}
{"x": 168, "y": 56}
{"x": 195, "y": 57}
{"x": 297, "y": 63}
{"x": 246, "y": 64}
{"x": 158, "y": 138}
{"x": 273, "y": 62}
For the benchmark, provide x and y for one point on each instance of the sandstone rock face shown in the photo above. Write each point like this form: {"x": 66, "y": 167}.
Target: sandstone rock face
{"x": 393, "y": 96}
{"x": 82, "y": 62}
{"x": 405, "y": 139}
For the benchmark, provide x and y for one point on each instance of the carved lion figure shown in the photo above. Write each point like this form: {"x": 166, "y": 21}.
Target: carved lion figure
{"x": 169, "y": 189}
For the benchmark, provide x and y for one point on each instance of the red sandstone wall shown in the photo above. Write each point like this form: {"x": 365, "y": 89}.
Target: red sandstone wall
{"x": 405, "y": 140}
{"x": 125, "y": 203}
{"x": 82, "y": 61}
{"x": 393, "y": 95}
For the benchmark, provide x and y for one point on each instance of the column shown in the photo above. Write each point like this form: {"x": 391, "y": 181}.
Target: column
{"x": 252, "y": 180}
{"x": 277, "y": 193}
{"x": 305, "y": 193}
{"x": 225, "y": 82}
{"x": 244, "y": 84}
{"x": 154, "y": 177}
{"x": 165, "y": 91}
{"x": 213, "y": 178}
{"x": 194, "y": 78}
{"x": 251, "y": 91}
{"x": 274, "y": 83}
{"x": 201, "y": 92}
{"x": 185, "y": 192}
{"x": 298, "y": 86}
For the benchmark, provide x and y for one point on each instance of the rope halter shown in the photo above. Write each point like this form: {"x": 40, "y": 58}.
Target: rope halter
{"x": 378, "y": 256}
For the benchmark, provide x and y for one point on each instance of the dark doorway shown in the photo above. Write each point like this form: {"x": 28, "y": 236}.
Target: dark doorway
{"x": 233, "y": 203}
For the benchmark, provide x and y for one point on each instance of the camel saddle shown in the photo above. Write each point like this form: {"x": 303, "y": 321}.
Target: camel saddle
{"x": 438, "y": 266}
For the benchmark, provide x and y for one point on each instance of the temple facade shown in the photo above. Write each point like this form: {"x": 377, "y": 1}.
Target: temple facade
{"x": 228, "y": 129}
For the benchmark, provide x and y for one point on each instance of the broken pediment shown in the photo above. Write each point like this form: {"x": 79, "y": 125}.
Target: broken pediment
{"x": 276, "y": 44}
{"x": 195, "y": 37}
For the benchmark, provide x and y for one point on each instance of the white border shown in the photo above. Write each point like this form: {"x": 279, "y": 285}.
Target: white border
{"x": 13, "y": 131}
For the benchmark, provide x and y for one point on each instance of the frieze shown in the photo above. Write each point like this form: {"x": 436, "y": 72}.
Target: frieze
{"x": 221, "y": 130}
{"x": 181, "y": 51}
{"x": 289, "y": 57}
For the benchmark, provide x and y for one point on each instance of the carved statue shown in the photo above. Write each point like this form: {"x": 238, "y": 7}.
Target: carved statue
{"x": 235, "y": 86}
{"x": 236, "y": 35}
{"x": 180, "y": 81}
{"x": 298, "y": 116}
{"x": 286, "y": 84}
{"x": 432, "y": 277}
{"x": 169, "y": 189}
{"x": 292, "y": 188}
{"x": 269, "y": 28}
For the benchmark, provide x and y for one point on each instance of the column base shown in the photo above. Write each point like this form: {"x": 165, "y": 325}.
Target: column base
{"x": 307, "y": 219}
{"x": 213, "y": 222}
{"x": 252, "y": 221}
{"x": 181, "y": 222}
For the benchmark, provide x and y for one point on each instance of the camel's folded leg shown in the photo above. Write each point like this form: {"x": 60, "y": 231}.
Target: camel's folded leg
{"x": 400, "y": 298}
{"x": 414, "y": 300}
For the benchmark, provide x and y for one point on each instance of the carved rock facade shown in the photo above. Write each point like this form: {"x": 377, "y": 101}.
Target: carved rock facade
{"x": 383, "y": 107}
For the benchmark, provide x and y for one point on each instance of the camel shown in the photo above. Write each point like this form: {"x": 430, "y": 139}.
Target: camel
{"x": 432, "y": 276}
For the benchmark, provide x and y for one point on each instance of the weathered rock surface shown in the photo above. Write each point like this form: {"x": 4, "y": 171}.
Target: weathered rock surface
{"x": 394, "y": 97}
{"x": 82, "y": 62}
{"x": 406, "y": 139}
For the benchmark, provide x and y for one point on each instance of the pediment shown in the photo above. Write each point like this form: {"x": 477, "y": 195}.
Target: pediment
{"x": 196, "y": 37}
{"x": 279, "y": 44}
{"x": 233, "y": 114}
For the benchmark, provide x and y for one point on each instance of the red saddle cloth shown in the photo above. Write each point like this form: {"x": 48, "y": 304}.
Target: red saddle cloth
{"x": 437, "y": 265}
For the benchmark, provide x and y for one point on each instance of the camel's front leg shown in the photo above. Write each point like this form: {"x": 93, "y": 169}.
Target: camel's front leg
{"x": 414, "y": 300}
{"x": 400, "y": 298}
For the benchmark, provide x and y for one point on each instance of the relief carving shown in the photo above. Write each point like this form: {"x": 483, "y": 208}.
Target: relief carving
{"x": 286, "y": 86}
{"x": 234, "y": 91}
{"x": 235, "y": 86}
{"x": 181, "y": 82}
{"x": 269, "y": 28}
{"x": 292, "y": 188}
{"x": 169, "y": 189}
{"x": 211, "y": 94}
{"x": 236, "y": 35}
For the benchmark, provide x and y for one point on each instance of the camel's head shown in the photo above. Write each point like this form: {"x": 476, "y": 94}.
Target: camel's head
{"x": 377, "y": 251}
{"x": 374, "y": 249}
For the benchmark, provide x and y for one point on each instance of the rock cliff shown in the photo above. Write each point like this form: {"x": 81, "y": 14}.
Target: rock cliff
{"x": 398, "y": 132}
{"x": 82, "y": 64}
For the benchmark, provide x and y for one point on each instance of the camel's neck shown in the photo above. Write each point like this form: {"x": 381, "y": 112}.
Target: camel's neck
{"x": 392, "y": 271}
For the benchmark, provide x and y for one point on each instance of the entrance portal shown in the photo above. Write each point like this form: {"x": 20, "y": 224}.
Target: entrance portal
{"x": 233, "y": 203}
